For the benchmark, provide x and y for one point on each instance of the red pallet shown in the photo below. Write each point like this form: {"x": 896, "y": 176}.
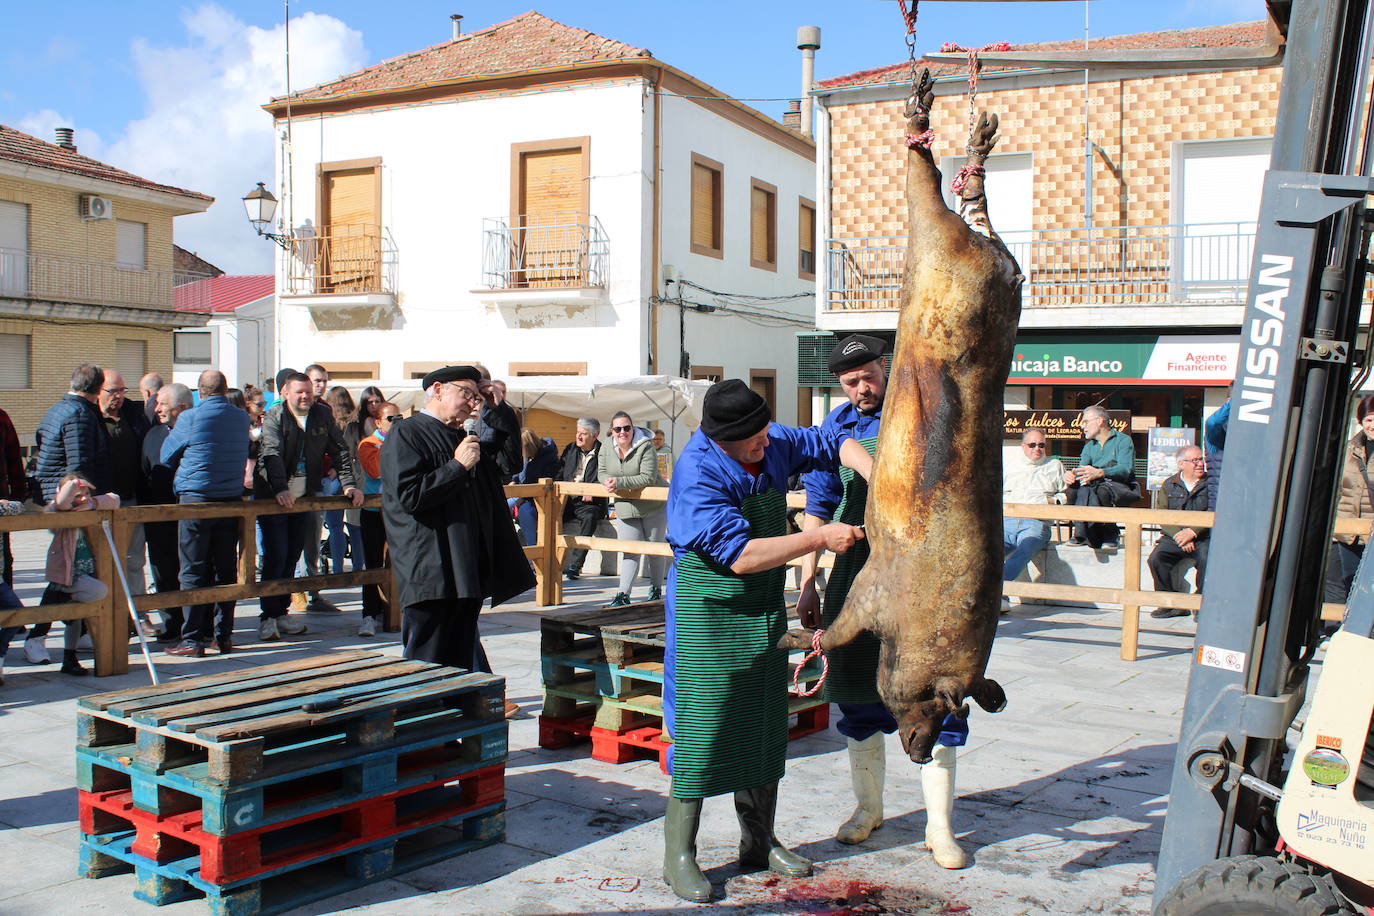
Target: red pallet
{"x": 241, "y": 856}
{"x": 635, "y": 743}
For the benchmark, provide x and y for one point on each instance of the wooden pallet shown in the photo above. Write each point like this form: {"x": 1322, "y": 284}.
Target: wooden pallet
{"x": 315, "y": 785}
{"x": 259, "y": 722}
{"x": 286, "y": 889}
{"x": 289, "y": 844}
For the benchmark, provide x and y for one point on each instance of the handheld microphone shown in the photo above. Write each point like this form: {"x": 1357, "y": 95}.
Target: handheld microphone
{"x": 470, "y": 426}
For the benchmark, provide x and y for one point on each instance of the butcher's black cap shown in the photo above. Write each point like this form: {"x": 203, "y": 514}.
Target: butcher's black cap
{"x": 451, "y": 374}
{"x": 854, "y": 351}
{"x": 733, "y": 411}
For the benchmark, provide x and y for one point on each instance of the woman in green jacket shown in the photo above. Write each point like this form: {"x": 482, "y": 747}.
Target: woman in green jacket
{"x": 630, "y": 464}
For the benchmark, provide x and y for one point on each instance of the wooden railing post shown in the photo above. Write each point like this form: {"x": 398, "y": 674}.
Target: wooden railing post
{"x": 248, "y": 549}
{"x": 549, "y": 590}
{"x": 110, "y": 628}
{"x": 1130, "y": 613}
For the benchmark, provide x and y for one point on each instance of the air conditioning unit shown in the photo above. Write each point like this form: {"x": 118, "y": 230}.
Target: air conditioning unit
{"x": 93, "y": 207}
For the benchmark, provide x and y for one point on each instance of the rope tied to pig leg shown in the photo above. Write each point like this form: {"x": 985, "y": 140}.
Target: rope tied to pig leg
{"x": 816, "y": 652}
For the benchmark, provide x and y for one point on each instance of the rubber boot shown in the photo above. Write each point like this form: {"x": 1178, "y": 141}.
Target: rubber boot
{"x": 680, "y": 869}
{"x": 758, "y": 847}
{"x": 937, "y": 786}
{"x": 867, "y": 767}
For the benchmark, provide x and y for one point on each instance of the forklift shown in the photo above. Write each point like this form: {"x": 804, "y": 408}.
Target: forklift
{"x": 1269, "y": 815}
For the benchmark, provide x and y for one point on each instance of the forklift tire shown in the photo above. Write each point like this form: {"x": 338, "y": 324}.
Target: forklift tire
{"x": 1252, "y": 886}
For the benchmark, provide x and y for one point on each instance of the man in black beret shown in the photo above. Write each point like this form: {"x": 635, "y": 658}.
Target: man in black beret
{"x": 725, "y": 680}
{"x": 447, "y": 525}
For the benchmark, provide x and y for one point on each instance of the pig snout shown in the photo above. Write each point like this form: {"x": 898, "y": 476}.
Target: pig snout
{"x": 919, "y": 731}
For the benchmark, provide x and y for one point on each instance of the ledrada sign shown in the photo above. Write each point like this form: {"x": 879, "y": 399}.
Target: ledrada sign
{"x": 1125, "y": 359}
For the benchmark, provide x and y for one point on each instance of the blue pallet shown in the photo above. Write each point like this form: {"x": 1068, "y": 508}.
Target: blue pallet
{"x": 228, "y": 810}
{"x": 300, "y": 883}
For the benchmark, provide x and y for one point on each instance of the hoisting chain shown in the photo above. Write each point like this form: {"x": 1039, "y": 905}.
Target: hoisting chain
{"x": 926, "y": 137}
{"x": 814, "y": 653}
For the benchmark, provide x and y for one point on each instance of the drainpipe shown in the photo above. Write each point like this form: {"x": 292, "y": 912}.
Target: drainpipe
{"x": 656, "y": 245}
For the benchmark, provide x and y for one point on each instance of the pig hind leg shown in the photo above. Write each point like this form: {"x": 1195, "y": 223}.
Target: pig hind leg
{"x": 989, "y": 694}
{"x": 973, "y": 199}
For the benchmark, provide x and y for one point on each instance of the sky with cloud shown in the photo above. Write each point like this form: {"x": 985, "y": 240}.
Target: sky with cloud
{"x": 174, "y": 92}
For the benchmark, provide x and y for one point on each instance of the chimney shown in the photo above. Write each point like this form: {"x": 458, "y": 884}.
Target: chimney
{"x": 808, "y": 42}
{"x": 457, "y": 25}
{"x": 791, "y": 118}
{"x": 64, "y": 137}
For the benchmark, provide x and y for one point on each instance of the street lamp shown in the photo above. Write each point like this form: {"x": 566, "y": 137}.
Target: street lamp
{"x": 261, "y": 207}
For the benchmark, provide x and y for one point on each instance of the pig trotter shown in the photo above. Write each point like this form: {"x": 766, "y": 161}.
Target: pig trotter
{"x": 919, "y": 103}
{"x": 796, "y": 639}
{"x": 989, "y": 694}
{"x": 982, "y": 138}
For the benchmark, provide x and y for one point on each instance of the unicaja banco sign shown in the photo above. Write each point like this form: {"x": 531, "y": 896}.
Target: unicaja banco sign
{"x": 1125, "y": 359}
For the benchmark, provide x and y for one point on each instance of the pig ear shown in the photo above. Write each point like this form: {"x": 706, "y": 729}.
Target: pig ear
{"x": 989, "y": 694}
{"x": 950, "y": 693}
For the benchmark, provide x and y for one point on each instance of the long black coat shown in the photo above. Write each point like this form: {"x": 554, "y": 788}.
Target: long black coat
{"x": 448, "y": 528}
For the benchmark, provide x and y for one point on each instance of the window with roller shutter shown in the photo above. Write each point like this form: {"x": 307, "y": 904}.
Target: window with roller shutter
{"x": 348, "y": 249}
{"x": 14, "y": 360}
{"x": 131, "y": 359}
{"x": 763, "y": 225}
{"x": 806, "y": 239}
{"x": 707, "y": 204}
{"x": 131, "y": 244}
{"x": 550, "y": 213}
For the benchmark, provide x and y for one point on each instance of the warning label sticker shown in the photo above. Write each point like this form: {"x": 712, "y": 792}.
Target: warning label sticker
{"x": 1225, "y": 659}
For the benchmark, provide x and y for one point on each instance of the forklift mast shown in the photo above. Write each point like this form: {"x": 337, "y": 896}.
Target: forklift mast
{"x": 1261, "y": 612}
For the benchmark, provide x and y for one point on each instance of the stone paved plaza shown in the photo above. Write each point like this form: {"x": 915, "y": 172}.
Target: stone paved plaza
{"x": 1062, "y": 795}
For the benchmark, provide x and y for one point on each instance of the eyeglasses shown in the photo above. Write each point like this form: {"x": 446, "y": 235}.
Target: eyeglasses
{"x": 1034, "y": 444}
{"x": 472, "y": 394}
{"x": 387, "y": 419}
{"x": 114, "y": 390}
{"x": 621, "y": 429}
{"x": 1190, "y": 460}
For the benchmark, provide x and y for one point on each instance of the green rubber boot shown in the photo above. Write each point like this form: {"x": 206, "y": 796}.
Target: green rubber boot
{"x": 680, "y": 869}
{"x": 758, "y": 847}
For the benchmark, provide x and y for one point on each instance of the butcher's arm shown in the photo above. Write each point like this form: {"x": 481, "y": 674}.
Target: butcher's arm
{"x": 768, "y": 553}
{"x": 415, "y": 486}
{"x": 855, "y": 457}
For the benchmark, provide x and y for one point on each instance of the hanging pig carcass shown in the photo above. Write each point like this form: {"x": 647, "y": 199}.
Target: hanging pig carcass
{"x": 932, "y": 586}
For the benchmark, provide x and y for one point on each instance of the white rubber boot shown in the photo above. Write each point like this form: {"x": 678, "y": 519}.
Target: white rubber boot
{"x": 867, "y": 766}
{"x": 937, "y": 787}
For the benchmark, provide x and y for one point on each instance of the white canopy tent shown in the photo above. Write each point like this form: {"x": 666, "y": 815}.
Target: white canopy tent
{"x": 659, "y": 399}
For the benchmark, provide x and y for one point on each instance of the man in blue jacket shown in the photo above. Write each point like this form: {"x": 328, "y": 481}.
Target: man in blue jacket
{"x": 72, "y": 438}
{"x": 209, "y": 448}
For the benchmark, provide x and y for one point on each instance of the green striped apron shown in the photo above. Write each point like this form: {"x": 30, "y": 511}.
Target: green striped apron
{"x": 730, "y": 696}
{"x": 853, "y": 668}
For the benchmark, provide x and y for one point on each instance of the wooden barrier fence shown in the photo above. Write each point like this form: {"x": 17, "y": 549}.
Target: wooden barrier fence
{"x": 108, "y": 618}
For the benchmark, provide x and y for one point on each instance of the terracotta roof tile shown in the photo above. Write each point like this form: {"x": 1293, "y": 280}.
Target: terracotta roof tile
{"x": 1237, "y": 35}
{"x": 16, "y": 146}
{"x": 530, "y": 41}
{"x": 222, "y": 294}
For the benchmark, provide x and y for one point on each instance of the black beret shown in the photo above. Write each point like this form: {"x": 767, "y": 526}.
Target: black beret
{"x": 854, "y": 351}
{"x": 733, "y": 411}
{"x": 451, "y": 374}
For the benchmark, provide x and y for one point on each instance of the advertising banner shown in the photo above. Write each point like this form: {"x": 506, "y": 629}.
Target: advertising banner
{"x": 1163, "y": 442}
{"x": 1057, "y": 424}
{"x": 1125, "y": 359}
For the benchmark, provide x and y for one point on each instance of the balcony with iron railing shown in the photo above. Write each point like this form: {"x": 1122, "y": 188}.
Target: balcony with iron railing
{"x": 1206, "y": 265}
{"x": 344, "y": 259}
{"x": 534, "y": 260}
{"x": 26, "y": 275}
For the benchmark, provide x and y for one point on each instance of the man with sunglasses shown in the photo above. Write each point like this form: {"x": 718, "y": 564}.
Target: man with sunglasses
{"x": 1185, "y": 490}
{"x": 448, "y": 528}
{"x": 1035, "y": 479}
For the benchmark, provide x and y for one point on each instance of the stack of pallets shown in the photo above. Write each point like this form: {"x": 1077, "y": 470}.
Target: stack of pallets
{"x": 603, "y": 680}
{"x": 265, "y": 788}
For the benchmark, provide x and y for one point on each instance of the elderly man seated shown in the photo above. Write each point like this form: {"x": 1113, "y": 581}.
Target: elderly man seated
{"x": 1035, "y": 478}
{"x": 1185, "y": 490}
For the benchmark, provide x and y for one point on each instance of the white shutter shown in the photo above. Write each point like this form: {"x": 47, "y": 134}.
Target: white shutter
{"x": 1221, "y": 182}
{"x": 131, "y": 244}
{"x": 192, "y": 348}
{"x": 14, "y": 248}
{"x": 131, "y": 358}
{"x": 14, "y": 361}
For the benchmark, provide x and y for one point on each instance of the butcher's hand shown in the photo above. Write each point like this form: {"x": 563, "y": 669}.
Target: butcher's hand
{"x": 355, "y": 495}
{"x": 809, "y": 605}
{"x": 839, "y": 537}
{"x": 285, "y": 499}
{"x": 468, "y": 452}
